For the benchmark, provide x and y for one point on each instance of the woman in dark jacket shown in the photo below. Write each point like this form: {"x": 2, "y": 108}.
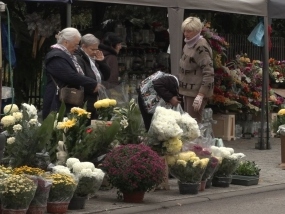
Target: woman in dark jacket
{"x": 167, "y": 88}
{"x": 111, "y": 46}
{"x": 63, "y": 67}
{"x": 92, "y": 62}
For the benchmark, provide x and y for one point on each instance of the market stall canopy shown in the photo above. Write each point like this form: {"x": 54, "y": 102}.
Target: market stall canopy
{"x": 271, "y": 8}
{"x": 63, "y": 1}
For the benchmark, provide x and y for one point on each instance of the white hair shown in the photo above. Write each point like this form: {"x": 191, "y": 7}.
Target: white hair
{"x": 68, "y": 34}
{"x": 89, "y": 39}
{"x": 192, "y": 24}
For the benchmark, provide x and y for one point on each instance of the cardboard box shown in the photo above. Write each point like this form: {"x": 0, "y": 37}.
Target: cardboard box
{"x": 225, "y": 126}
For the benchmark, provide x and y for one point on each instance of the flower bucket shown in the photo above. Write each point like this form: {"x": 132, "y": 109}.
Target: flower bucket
{"x": 77, "y": 203}
{"x": 57, "y": 207}
{"x": 221, "y": 181}
{"x": 14, "y": 211}
{"x": 188, "y": 188}
{"x": 133, "y": 197}
{"x": 36, "y": 210}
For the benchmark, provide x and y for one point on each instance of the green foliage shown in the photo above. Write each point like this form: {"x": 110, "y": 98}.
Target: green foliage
{"x": 96, "y": 140}
{"x": 247, "y": 168}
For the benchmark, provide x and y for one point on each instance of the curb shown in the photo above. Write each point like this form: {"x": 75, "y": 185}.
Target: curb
{"x": 190, "y": 200}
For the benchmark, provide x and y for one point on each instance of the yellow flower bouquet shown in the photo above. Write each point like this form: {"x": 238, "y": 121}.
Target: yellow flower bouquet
{"x": 17, "y": 192}
{"x": 187, "y": 167}
{"x": 63, "y": 187}
{"x": 105, "y": 108}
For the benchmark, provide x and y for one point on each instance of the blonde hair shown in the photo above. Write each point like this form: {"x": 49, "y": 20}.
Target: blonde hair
{"x": 68, "y": 34}
{"x": 192, "y": 24}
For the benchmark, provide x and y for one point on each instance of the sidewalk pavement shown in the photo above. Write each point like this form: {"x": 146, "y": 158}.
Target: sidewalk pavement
{"x": 271, "y": 178}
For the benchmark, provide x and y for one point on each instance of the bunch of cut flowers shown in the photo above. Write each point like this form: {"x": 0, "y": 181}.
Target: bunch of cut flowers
{"x": 230, "y": 160}
{"x": 169, "y": 125}
{"x": 89, "y": 178}
{"x": 187, "y": 167}
{"x": 72, "y": 128}
{"x": 105, "y": 108}
{"x": 25, "y": 135}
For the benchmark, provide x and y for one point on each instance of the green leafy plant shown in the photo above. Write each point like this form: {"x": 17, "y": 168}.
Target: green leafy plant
{"x": 130, "y": 120}
{"x": 134, "y": 167}
{"x": 247, "y": 168}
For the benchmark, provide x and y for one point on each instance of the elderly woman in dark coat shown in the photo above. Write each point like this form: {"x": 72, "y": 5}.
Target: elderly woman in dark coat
{"x": 63, "y": 67}
{"x": 92, "y": 62}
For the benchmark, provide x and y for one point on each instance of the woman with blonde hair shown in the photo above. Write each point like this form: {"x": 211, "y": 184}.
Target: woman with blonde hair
{"x": 62, "y": 69}
{"x": 196, "y": 74}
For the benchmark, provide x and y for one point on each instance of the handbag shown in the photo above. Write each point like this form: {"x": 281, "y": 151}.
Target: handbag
{"x": 72, "y": 96}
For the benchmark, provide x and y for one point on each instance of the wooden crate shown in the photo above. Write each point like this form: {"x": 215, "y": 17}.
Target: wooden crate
{"x": 225, "y": 126}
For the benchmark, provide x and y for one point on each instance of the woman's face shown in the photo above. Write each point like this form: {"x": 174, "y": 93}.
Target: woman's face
{"x": 72, "y": 45}
{"x": 188, "y": 34}
{"x": 91, "y": 50}
{"x": 118, "y": 47}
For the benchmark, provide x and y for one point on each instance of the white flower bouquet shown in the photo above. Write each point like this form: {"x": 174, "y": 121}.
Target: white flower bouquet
{"x": 230, "y": 160}
{"x": 89, "y": 177}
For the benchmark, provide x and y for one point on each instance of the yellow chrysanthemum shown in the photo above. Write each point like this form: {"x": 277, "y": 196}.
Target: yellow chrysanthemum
{"x": 204, "y": 162}
{"x": 105, "y": 103}
{"x": 281, "y": 112}
{"x": 70, "y": 123}
{"x": 182, "y": 162}
{"x": 112, "y": 102}
{"x": 170, "y": 159}
{"x": 97, "y": 104}
{"x": 173, "y": 145}
{"x": 186, "y": 155}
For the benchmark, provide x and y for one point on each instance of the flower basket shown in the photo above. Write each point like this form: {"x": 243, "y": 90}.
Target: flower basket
{"x": 134, "y": 168}
{"x": 17, "y": 192}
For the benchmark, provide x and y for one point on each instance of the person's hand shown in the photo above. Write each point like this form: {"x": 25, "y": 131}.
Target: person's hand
{"x": 198, "y": 102}
{"x": 174, "y": 101}
{"x": 98, "y": 87}
{"x": 99, "y": 56}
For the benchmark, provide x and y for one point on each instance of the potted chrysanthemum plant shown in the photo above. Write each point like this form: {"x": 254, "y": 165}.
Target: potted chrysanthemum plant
{"x": 188, "y": 168}
{"x": 230, "y": 161}
{"x": 39, "y": 202}
{"x": 133, "y": 169}
{"x": 89, "y": 181}
{"x": 17, "y": 192}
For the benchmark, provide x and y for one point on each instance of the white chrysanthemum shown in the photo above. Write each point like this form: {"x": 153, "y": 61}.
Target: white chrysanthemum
{"x": 17, "y": 127}
{"x": 237, "y": 156}
{"x": 98, "y": 173}
{"x": 124, "y": 123}
{"x": 18, "y": 116}
{"x": 33, "y": 121}
{"x": 189, "y": 126}
{"x": 8, "y": 120}
{"x": 31, "y": 110}
{"x": 61, "y": 170}
{"x": 9, "y": 109}
{"x": 11, "y": 140}
{"x": 77, "y": 167}
{"x": 71, "y": 161}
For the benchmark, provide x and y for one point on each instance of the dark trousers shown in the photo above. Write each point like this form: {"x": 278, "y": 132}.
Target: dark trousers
{"x": 145, "y": 115}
